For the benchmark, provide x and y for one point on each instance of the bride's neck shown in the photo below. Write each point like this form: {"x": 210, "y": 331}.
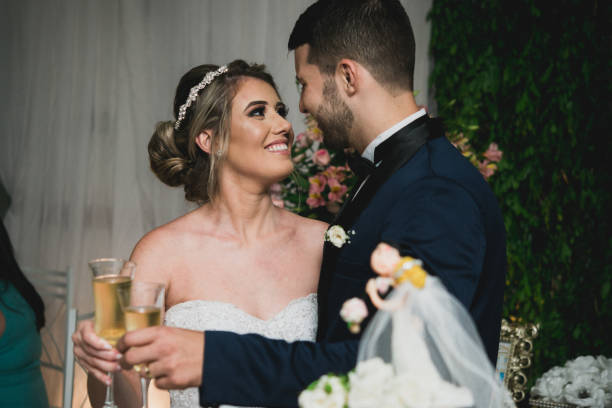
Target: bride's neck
{"x": 244, "y": 208}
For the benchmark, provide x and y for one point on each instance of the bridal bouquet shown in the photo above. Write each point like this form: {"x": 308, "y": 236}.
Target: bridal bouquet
{"x": 585, "y": 382}
{"x": 321, "y": 180}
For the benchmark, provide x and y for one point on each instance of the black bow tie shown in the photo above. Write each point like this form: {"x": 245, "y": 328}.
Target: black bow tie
{"x": 361, "y": 166}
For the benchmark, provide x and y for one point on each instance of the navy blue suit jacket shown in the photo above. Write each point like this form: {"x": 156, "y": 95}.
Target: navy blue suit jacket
{"x": 424, "y": 198}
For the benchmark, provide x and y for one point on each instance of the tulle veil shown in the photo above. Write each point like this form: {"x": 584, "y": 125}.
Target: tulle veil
{"x": 432, "y": 334}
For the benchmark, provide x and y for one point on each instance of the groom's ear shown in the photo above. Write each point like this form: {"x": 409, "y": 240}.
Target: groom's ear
{"x": 203, "y": 140}
{"x": 347, "y": 73}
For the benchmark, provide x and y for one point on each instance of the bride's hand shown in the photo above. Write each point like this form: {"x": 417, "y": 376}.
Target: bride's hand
{"x": 94, "y": 354}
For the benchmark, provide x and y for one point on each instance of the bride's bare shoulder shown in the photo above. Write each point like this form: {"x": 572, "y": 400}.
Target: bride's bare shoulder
{"x": 167, "y": 234}
{"x": 159, "y": 249}
{"x": 308, "y": 228}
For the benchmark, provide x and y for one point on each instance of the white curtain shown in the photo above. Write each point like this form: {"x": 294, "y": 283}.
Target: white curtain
{"x": 84, "y": 81}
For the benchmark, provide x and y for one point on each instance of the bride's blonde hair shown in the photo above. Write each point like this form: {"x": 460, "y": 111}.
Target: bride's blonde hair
{"x": 173, "y": 154}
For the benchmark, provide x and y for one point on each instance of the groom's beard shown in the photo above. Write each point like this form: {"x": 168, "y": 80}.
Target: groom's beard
{"x": 334, "y": 117}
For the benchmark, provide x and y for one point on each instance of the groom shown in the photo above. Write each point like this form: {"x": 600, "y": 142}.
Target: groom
{"x": 355, "y": 60}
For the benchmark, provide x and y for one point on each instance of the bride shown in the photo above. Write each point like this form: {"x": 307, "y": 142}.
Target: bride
{"x": 236, "y": 263}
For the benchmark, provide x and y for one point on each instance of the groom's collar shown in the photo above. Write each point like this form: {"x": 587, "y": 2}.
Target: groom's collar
{"x": 368, "y": 153}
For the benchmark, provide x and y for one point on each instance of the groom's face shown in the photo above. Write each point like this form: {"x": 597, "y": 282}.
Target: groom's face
{"x": 320, "y": 97}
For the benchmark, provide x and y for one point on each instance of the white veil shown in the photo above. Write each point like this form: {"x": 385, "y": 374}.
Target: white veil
{"x": 431, "y": 339}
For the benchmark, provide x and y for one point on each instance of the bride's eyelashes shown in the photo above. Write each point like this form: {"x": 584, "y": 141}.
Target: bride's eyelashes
{"x": 260, "y": 111}
{"x": 282, "y": 109}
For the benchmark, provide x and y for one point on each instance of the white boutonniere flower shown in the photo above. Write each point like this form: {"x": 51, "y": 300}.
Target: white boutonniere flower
{"x": 337, "y": 236}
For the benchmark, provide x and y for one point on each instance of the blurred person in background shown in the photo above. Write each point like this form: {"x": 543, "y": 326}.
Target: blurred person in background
{"x": 22, "y": 315}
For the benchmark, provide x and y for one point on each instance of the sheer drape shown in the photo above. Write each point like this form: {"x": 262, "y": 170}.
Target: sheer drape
{"x": 84, "y": 81}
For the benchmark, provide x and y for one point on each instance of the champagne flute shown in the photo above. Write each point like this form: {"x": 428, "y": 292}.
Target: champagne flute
{"x": 142, "y": 304}
{"x": 110, "y": 275}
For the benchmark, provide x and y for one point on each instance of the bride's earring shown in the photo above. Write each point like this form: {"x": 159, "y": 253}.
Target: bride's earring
{"x": 219, "y": 153}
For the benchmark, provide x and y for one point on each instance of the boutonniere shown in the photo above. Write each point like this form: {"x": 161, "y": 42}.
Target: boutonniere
{"x": 337, "y": 236}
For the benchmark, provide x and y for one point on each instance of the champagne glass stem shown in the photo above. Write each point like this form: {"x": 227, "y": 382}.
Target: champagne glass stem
{"x": 145, "y": 390}
{"x": 109, "y": 401}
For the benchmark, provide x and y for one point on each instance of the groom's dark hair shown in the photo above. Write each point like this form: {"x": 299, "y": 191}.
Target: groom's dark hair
{"x": 375, "y": 33}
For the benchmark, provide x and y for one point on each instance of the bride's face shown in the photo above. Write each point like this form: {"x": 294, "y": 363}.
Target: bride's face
{"x": 260, "y": 136}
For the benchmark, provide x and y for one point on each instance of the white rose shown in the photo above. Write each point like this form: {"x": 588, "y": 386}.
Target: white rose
{"x": 581, "y": 363}
{"x": 336, "y": 235}
{"x": 591, "y": 373}
{"x": 549, "y": 387}
{"x": 354, "y": 310}
{"x": 604, "y": 363}
{"x": 328, "y": 393}
{"x": 585, "y": 393}
{"x": 556, "y": 372}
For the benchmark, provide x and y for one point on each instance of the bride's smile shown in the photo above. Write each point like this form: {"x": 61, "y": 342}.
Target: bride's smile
{"x": 260, "y": 136}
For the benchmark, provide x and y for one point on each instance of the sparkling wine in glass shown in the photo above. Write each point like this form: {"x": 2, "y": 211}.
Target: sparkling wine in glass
{"x": 111, "y": 276}
{"x": 142, "y": 304}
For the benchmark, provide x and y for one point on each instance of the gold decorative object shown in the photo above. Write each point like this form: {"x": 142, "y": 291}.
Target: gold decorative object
{"x": 514, "y": 356}
{"x": 540, "y": 403}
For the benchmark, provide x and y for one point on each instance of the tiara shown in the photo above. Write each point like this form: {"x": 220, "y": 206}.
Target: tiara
{"x": 193, "y": 93}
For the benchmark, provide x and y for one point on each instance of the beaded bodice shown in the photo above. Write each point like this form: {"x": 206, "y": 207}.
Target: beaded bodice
{"x": 297, "y": 321}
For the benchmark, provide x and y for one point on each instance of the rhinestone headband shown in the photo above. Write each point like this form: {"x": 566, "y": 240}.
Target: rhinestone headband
{"x": 193, "y": 93}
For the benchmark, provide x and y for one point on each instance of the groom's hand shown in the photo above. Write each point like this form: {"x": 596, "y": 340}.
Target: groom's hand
{"x": 174, "y": 356}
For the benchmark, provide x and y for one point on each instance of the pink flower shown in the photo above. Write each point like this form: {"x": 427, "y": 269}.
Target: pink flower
{"x": 298, "y": 158}
{"x": 486, "y": 169}
{"x": 301, "y": 140}
{"x": 321, "y": 157}
{"x": 278, "y": 202}
{"x": 315, "y": 135}
{"x": 335, "y": 172}
{"x": 317, "y": 183}
{"x": 276, "y": 188}
{"x": 493, "y": 153}
{"x": 276, "y": 195}
{"x": 315, "y": 200}
{"x": 336, "y": 190}
{"x": 332, "y": 207}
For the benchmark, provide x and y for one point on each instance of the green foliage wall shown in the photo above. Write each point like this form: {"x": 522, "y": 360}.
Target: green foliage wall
{"x": 536, "y": 77}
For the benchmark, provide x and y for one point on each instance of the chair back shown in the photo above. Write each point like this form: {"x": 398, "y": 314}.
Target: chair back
{"x": 56, "y": 287}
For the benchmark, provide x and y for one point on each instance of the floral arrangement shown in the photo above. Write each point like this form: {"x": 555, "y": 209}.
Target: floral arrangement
{"x": 321, "y": 179}
{"x": 485, "y": 162}
{"x": 585, "y": 382}
{"x": 373, "y": 384}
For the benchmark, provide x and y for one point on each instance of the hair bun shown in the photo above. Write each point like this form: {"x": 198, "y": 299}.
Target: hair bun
{"x": 168, "y": 162}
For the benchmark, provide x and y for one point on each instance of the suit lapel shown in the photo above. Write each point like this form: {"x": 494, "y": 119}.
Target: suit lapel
{"x": 394, "y": 153}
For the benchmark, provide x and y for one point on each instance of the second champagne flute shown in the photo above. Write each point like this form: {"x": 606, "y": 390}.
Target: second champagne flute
{"x": 143, "y": 305}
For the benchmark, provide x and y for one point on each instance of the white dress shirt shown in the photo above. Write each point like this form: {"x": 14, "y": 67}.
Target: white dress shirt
{"x": 368, "y": 153}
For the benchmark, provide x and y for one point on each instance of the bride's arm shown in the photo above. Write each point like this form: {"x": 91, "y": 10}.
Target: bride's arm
{"x": 90, "y": 349}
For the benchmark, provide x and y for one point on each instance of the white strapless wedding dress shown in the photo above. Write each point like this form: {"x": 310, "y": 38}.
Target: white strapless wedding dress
{"x": 297, "y": 321}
